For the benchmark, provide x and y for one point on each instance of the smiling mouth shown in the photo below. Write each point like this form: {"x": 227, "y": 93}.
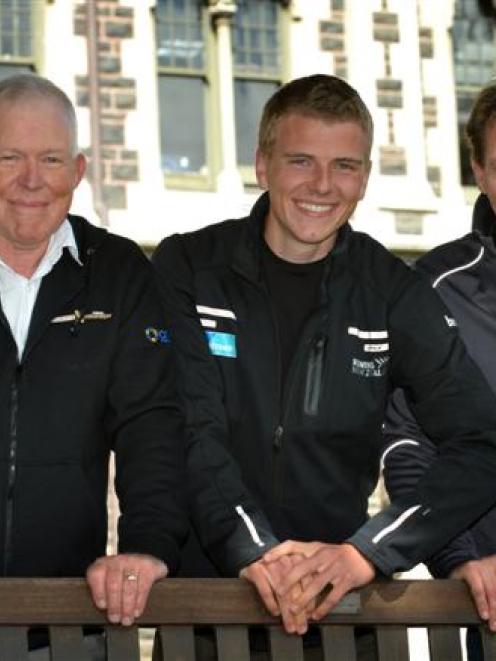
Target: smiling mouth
{"x": 28, "y": 205}
{"x": 316, "y": 208}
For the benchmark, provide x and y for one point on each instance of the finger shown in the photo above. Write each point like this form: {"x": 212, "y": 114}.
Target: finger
{"x": 277, "y": 552}
{"x": 113, "y": 587}
{"x": 302, "y": 570}
{"x": 130, "y": 587}
{"x": 491, "y": 612}
{"x": 334, "y": 596}
{"x": 479, "y": 595}
{"x": 144, "y": 588}
{"x": 305, "y": 582}
{"x": 263, "y": 586}
{"x": 291, "y": 547}
{"x": 291, "y": 623}
{"x": 314, "y": 589}
{"x": 95, "y": 577}
{"x": 301, "y": 618}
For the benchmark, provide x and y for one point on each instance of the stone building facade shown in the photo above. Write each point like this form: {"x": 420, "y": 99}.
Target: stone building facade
{"x": 180, "y": 84}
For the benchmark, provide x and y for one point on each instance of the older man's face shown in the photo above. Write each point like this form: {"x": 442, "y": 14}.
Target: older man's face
{"x": 38, "y": 173}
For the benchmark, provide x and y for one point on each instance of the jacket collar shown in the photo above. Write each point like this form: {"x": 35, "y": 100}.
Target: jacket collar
{"x": 66, "y": 279}
{"x": 483, "y": 218}
{"x": 88, "y": 237}
{"x": 247, "y": 256}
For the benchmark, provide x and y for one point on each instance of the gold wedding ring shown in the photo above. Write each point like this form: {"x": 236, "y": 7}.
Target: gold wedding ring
{"x": 131, "y": 577}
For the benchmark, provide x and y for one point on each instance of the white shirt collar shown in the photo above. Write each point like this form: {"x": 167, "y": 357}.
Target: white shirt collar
{"x": 18, "y": 294}
{"x": 62, "y": 238}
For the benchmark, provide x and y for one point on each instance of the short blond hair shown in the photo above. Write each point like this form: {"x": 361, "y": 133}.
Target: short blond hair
{"x": 326, "y": 97}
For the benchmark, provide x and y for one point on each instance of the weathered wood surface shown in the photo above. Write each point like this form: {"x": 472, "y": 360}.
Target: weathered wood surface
{"x": 231, "y": 601}
{"x": 230, "y": 606}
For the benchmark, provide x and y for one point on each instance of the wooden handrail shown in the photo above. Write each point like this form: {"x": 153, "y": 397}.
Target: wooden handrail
{"x": 37, "y": 601}
{"x": 176, "y": 606}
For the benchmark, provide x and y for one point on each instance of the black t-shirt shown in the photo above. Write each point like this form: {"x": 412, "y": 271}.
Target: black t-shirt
{"x": 294, "y": 290}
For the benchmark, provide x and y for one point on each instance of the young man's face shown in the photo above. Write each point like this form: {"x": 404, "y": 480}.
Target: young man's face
{"x": 485, "y": 173}
{"x": 316, "y": 173}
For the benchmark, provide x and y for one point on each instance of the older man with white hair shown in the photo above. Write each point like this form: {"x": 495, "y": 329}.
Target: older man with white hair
{"x": 85, "y": 370}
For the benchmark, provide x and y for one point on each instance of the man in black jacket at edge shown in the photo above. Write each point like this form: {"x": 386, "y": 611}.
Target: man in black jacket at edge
{"x": 291, "y": 330}
{"x": 463, "y": 273}
{"x": 85, "y": 370}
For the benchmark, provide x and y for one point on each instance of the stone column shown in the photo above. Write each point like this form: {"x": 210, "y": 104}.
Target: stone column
{"x": 229, "y": 179}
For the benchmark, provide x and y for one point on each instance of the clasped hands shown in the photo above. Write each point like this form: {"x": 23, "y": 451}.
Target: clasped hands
{"x": 302, "y": 581}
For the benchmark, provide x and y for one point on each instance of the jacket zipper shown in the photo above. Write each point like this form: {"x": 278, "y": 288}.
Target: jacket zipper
{"x": 276, "y": 461}
{"x": 313, "y": 381}
{"x": 12, "y": 466}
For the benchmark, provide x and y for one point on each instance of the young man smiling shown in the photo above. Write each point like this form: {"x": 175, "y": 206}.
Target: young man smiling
{"x": 291, "y": 329}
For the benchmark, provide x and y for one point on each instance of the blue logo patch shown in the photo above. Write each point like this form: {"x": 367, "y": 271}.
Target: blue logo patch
{"x": 157, "y": 335}
{"x": 222, "y": 344}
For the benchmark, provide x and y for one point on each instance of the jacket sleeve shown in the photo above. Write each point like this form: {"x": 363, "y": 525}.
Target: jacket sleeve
{"x": 407, "y": 454}
{"x": 232, "y": 528}
{"x": 457, "y": 411}
{"x": 143, "y": 420}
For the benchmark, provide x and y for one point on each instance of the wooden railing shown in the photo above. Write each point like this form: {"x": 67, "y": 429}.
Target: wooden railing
{"x": 230, "y": 607}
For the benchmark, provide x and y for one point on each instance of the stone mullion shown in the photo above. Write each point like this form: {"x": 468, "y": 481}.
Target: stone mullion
{"x": 117, "y": 97}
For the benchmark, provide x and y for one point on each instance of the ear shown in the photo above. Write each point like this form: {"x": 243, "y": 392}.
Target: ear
{"x": 261, "y": 165}
{"x": 479, "y": 174}
{"x": 80, "y": 169}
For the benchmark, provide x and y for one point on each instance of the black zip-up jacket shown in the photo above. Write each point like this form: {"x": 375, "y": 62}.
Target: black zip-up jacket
{"x": 463, "y": 272}
{"x": 262, "y": 468}
{"x": 92, "y": 378}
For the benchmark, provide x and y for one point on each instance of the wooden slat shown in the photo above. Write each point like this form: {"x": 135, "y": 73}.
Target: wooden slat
{"x": 122, "y": 643}
{"x": 444, "y": 643}
{"x": 66, "y": 644}
{"x": 174, "y": 644}
{"x": 338, "y": 642}
{"x": 13, "y": 643}
{"x": 488, "y": 644}
{"x": 232, "y": 643}
{"x": 392, "y": 643}
{"x": 285, "y": 646}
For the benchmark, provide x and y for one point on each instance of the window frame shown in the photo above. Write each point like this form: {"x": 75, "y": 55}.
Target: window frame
{"x": 34, "y": 60}
{"x": 190, "y": 180}
{"x": 276, "y": 77}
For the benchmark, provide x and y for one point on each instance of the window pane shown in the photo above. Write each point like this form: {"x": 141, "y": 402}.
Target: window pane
{"x": 182, "y": 124}
{"x": 179, "y": 32}
{"x": 16, "y": 28}
{"x": 255, "y": 41}
{"x": 250, "y": 97}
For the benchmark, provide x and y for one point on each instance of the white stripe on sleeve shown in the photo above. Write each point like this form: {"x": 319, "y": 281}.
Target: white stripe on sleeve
{"x": 393, "y": 446}
{"x": 396, "y": 524}
{"x": 250, "y": 525}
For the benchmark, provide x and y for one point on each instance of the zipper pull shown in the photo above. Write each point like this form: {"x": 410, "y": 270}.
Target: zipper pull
{"x": 278, "y": 437}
